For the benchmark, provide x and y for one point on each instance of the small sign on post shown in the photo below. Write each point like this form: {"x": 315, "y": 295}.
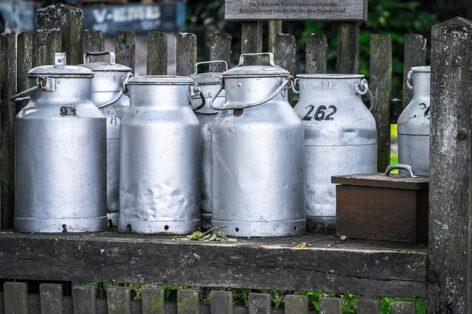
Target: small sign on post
{"x": 327, "y": 10}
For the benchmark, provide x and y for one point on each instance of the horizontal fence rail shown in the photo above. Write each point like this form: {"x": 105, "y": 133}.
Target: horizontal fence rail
{"x": 50, "y": 300}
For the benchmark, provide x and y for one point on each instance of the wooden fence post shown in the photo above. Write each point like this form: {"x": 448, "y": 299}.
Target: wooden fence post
{"x": 46, "y": 43}
{"x": 275, "y": 27}
{"x": 221, "y": 302}
{"x": 450, "y": 215}
{"x": 93, "y": 41}
{"x": 70, "y": 20}
{"x": 51, "y": 298}
{"x": 381, "y": 87}
{"x": 188, "y": 302}
{"x": 285, "y": 50}
{"x": 15, "y": 296}
{"x": 153, "y": 301}
{"x": 259, "y": 303}
{"x": 84, "y": 299}
{"x": 315, "y": 55}
{"x": 186, "y": 53}
{"x": 414, "y": 55}
{"x": 118, "y": 300}
{"x": 125, "y": 48}
{"x": 220, "y": 49}
{"x": 348, "y": 48}
{"x": 8, "y": 89}
{"x": 156, "y": 53}
{"x": 24, "y": 63}
{"x": 251, "y": 39}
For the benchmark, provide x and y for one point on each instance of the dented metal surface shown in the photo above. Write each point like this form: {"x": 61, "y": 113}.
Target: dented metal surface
{"x": 340, "y": 137}
{"x": 60, "y": 154}
{"x": 160, "y": 158}
{"x": 414, "y": 123}
{"x": 107, "y": 94}
{"x": 257, "y": 156}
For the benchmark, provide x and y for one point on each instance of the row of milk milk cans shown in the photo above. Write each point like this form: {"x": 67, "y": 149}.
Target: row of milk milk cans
{"x": 95, "y": 145}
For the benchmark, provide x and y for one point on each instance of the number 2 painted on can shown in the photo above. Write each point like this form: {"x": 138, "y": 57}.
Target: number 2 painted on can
{"x": 320, "y": 113}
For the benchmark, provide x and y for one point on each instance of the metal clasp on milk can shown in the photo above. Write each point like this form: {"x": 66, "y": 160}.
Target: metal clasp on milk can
{"x": 60, "y": 153}
{"x": 257, "y": 154}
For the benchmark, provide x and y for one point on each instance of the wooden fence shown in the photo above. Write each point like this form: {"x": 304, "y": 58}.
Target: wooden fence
{"x": 441, "y": 272}
{"x": 84, "y": 301}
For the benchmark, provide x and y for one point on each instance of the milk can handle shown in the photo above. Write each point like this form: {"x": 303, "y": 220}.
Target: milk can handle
{"x": 362, "y": 88}
{"x": 407, "y": 168}
{"x": 87, "y": 56}
{"x": 409, "y": 80}
{"x": 244, "y": 105}
{"x": 253, "y": 54}
{"x": 24, "y": 95}
{"x": 123, "y": 90}
{"x": 197, "y": 90}
{"x": 210, "y": 62}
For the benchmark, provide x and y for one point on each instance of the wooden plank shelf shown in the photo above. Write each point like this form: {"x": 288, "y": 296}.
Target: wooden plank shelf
{"x": 329, "y": 264}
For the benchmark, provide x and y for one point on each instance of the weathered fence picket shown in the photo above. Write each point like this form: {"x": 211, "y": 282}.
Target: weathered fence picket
{"x": 70, "y": 21}
{"x": 348, "y": 48}
{"x": 315, "y": 56}
{"x": 84, "y": 300}
{"x": 51, "y": 298}
{"x": 220, "y": 49}
{"x": 188, "y": 302}
{"x": 368, "y": 306}
{"x": 381, "y": 86}
{"x": 153, "y": 300}
{"x": 186, "y": 53}
{"x": 156, "y": 53}
{"x": 415, "y": 50}
{"x": 450, "y": 234}
{"x": 221, "y": 302}
{"x": 15, "y": 295}
{"x": 118, "y": 300}
{"x": 125, "y": 48}
{"x": 285, "y": 50}
{"x": 259, "y": 303}
{"x": 24, "y": 61}
{"x": 8, "y": 79}
{"x": 46, "y": 43}
{"x": 93, "y": 41}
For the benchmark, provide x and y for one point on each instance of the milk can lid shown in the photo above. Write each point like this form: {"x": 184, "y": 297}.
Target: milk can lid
{"x": 270, "y": 70}
{"x": 161, "y": 80}
{"x": 60, "y": 69}
{"x": 103, "y": 62}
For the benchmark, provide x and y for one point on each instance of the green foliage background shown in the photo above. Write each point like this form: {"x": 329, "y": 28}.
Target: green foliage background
{"x": 394, "y": 17}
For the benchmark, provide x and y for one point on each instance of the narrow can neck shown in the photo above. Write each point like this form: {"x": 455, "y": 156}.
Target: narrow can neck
{"x": 310, "y": 87}
{"x": 65, "y": 90}
{"x": 159, "y": 95}
{"x": 421, "y": 84}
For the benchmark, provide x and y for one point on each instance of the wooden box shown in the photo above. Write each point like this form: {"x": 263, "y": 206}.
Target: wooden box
{"x": 380, "y": 207}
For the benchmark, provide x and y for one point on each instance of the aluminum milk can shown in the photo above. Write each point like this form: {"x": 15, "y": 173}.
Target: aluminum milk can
{"x": 60, "y": 153}
{"x": 257, "y": 155}
{"x": 209, "y": 84}
{"x": 160, "y": 158}
{"x": 413, "y": 123}
{"x": 340, "y": 137}
{"x": 107, "y": 93}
